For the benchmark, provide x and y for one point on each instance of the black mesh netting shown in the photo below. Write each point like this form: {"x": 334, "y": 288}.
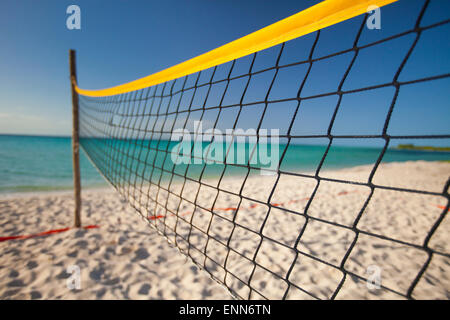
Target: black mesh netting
{"x": 297, "y": 226}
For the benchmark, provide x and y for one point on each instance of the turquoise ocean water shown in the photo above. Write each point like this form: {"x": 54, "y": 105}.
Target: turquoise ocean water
{"x": 34, "y": 163}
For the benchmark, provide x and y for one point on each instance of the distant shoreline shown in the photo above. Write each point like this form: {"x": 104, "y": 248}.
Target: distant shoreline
{"x": 68, "y": 190}
{"x": 420, "y": 148}
{"x": 50, "y": 166}
{"x": 398, "y": 147}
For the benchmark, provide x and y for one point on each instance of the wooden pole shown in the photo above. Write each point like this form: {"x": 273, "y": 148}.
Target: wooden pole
{"x": 75, "y": 139}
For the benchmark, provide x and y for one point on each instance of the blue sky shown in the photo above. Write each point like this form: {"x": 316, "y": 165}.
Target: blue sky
{"x": 120, "y": 41}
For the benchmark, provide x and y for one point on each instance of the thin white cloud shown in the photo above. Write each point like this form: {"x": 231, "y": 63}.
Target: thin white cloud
{"x": 33, "y": 124}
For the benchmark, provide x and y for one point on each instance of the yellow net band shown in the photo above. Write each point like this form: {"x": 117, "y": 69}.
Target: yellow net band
{"x": 322, "y": 15}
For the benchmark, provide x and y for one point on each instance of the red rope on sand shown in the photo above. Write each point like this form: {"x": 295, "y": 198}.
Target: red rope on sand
{"x": 252, "y": 206}
{"x": 45, "y": 233}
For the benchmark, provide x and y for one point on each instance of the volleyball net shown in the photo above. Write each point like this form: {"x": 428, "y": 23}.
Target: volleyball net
{"x": 232, "y": 155}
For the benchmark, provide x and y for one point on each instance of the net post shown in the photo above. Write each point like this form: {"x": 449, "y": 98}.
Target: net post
{"x": 75, "y": 140}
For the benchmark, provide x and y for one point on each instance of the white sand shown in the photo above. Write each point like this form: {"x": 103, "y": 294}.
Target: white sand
{"x": 126, "y": 259}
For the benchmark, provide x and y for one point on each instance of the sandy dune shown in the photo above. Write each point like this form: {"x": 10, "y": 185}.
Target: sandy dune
{"x": 125, "y": 259}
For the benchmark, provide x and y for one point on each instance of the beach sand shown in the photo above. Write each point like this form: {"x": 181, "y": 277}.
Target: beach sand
{"x": 126, "y": 259}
